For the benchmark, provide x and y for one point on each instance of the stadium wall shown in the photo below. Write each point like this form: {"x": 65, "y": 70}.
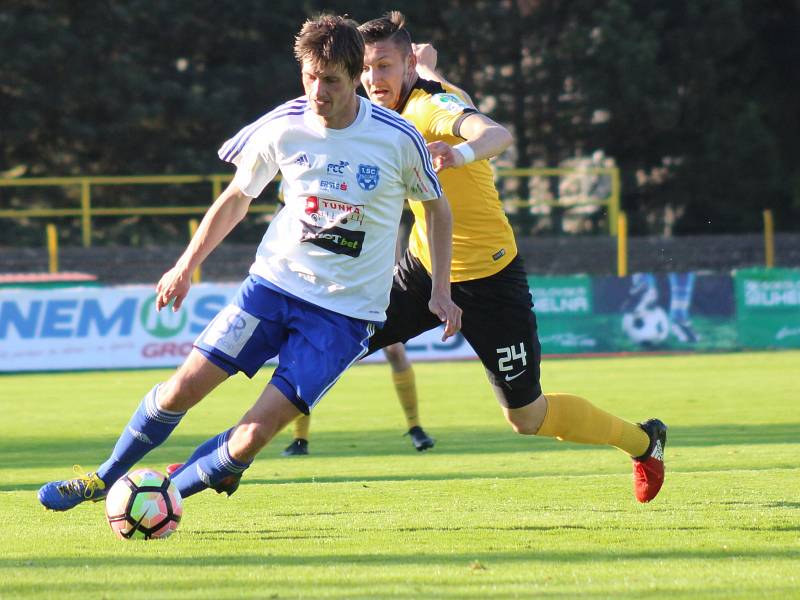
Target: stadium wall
{"x": 594, "y": 255}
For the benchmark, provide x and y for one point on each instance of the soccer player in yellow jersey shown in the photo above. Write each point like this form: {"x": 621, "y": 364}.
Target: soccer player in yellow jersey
{"x": 488, "y": 279}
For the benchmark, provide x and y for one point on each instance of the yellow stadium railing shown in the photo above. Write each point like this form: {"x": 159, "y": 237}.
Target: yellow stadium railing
{"x": 86, "y": 211}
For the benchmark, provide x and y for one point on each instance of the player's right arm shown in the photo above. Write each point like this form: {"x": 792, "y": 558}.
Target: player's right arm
{"x": 219, "y": 220}
{"x": 440, "y": 235}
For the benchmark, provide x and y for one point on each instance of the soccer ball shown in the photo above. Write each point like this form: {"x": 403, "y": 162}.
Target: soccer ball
{"x": 143, "y": 504}
{"x": 647, "y": 327}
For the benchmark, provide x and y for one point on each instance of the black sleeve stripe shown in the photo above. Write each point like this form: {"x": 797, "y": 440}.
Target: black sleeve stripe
{"x": 457, "y": 123}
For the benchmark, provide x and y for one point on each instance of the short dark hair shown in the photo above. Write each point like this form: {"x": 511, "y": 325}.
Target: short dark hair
{"x": 331, "y": 40}
{"x": 392, "y": 27}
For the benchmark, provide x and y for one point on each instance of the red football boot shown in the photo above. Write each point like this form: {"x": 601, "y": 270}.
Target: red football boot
{"x": 648, "y": 469}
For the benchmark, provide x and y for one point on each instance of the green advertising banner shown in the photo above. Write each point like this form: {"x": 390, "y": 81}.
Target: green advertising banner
{"x": 646, "y": 311}
{"x": 565, "y": 312}
{"x": 768, "y": 307}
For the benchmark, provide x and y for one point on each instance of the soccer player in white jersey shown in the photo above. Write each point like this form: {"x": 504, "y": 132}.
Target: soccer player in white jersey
{"x": 320, "y": 281}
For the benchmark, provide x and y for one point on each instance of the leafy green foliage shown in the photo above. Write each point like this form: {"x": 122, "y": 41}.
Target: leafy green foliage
{"x": 696, "y": 100}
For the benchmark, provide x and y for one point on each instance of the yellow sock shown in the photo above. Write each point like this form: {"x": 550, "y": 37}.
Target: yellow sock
{"x": 302, "y": 425}
{"x": 575, "y": 419}
{"x": 406, "y": 388}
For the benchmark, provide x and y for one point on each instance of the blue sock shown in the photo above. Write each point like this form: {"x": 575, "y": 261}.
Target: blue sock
{"x": 149, "y": 427}
{"x": 202, "y": 450}
{"x": 209, "y": 464}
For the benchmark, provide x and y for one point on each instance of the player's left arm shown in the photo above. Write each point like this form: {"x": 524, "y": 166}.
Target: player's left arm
{"x": 483, "y": 138}
{"x": 440, "y": 241}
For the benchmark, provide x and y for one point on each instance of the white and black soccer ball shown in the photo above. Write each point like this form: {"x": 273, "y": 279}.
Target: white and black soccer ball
{"x": 647, "y": 327}
{"x": 144, "y": 504}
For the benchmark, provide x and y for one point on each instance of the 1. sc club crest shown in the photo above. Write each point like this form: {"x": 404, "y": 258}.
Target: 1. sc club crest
{"x": 367, "y": 177}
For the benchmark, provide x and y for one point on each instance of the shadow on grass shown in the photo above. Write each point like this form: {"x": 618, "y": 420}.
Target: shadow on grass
{"x": 35, "y": 452}
{"x": 23, "y": 452}
{"x": 544, "y": 555}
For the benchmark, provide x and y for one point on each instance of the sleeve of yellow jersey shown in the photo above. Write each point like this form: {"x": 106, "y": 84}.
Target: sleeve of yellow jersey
{"x": 445, "y": 112}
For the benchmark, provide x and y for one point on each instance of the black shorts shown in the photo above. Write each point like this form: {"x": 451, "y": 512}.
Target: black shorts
{"x": 497, "y": 321}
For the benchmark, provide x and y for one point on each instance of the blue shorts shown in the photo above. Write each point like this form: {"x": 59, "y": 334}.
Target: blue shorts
{"x": 314, "y": 345}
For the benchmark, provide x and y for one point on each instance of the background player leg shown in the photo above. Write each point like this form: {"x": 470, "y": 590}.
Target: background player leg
{"x": 301, "y": 436}
{"x": 405, "y": 387}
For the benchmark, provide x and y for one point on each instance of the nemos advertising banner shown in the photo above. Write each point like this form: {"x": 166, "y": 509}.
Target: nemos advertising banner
{"x": 768, "y": 307}
{"x": 99, "y": 328}
{"x": 118, "y": 327}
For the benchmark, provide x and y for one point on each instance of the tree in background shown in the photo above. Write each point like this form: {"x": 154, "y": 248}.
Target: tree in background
{"x": 696, "y": 100}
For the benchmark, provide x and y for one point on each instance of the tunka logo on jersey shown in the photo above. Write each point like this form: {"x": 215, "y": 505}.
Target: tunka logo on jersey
{"x": 334, "y": 239}
{"x": 368, "y": 176}
{"x": 337, "y": 168}
{"x": 326, "y": 213}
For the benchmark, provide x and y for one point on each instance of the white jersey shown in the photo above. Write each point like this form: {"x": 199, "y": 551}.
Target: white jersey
{"x": 334, "y": 242}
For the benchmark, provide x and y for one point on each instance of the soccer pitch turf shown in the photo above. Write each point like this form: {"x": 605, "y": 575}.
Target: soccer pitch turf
{"x": 486, "y": 514}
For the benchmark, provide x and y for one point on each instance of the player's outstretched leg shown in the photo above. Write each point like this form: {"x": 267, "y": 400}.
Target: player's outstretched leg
{"x": 149, "y": 427}
{"x": 574, "y": 419}
{"x": 648, "y": 469}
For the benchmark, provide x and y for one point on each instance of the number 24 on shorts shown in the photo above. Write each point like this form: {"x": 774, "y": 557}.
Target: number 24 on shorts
{"x": 510, "y": 354}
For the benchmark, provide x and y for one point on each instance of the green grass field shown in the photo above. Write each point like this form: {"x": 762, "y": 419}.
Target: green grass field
{"x": 486, "y": 514}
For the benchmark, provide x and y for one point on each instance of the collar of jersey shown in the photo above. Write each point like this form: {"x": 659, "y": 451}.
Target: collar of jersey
{"x": 313, "y": 122}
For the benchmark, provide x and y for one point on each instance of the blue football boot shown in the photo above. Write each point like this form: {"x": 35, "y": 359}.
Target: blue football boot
{"x": 66, "y": 494}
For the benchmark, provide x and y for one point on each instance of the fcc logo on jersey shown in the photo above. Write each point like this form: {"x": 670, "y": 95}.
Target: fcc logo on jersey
{"x": 367, "y": 177}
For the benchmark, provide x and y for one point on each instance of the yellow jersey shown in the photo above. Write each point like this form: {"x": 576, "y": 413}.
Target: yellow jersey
{"x": 483, "y": 241}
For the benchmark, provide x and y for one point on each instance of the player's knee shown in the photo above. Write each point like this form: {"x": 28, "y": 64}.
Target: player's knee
{"x": 252, "y": 437}
{"x": 396, "y": 355}
{"x": 528, "y": 419}
{"x": 522, "y": 426}
{"x": 178, "y": 394}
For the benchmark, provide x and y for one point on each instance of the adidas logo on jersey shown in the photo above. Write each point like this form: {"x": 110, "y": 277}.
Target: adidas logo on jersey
{"x": 302, "y": 160}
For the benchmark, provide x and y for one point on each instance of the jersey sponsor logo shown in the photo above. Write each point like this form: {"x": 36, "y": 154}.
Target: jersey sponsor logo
{"x": 312, "y": 205}
{"x": 449, "y": 102}
{"x": 334, "y": 239}
{"x": 327, "y": 186}
{"x": 368, "y": 177}
{"x": 337, "y": 168}
{"x": 327, "y": 213}
{"x": 499, "y": 254}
